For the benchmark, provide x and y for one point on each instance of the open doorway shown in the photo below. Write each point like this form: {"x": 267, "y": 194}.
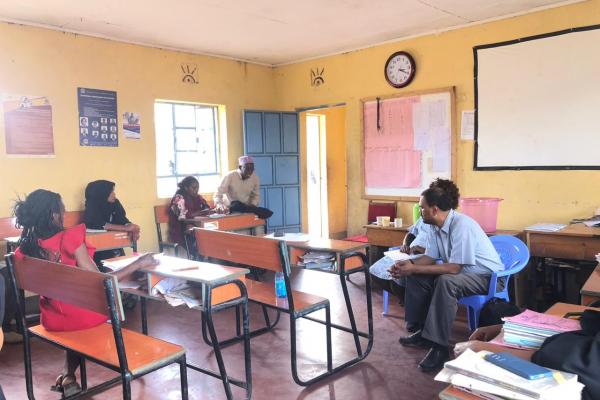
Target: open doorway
{"x": 324, "y": 178}
{"x": 316, "y": 174}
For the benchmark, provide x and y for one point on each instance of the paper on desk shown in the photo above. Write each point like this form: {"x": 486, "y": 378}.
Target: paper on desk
{"x": 117, "y": 265}
{"x": 545, "y": 227}
{"x": 537, "y": 320}
{"x": 88, "y": 230}
{"x": 397, "y": 255}
{"x": 591, "y": 224}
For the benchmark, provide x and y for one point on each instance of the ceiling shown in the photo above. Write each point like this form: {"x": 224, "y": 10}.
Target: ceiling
{"x": 271, "y": 32}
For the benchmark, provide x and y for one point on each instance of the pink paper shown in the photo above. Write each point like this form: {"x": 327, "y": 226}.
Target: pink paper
{"x": 390, "y": 158}
{"x": 545, "y": 321}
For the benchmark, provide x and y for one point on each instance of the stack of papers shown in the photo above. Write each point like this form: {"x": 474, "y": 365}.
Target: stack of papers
{"x": 471, "y": 372}
{"x": 317, "y": 260}
{"x": 545, "y": 227}
{"x": 529, "y": 329}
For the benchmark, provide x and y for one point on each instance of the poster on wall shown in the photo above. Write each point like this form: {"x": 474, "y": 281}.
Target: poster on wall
{"x": 27, "y": 125}
{"x": 131, "y": 125}
{"x": 97, "y": 117}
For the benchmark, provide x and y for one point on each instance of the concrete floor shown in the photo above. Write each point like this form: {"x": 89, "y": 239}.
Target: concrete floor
{"x": 389, "y": 372}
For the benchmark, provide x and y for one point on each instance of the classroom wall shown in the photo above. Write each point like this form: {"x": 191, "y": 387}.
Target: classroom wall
{"x": 43, "y": 62}
{"x": 443, "y": 60}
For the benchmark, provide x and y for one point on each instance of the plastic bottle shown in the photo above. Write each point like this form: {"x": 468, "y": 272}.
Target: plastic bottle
{"x": 416, "y": 213}
{"x": 280, "y": 285}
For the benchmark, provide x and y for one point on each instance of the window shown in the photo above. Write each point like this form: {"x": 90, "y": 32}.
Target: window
{"x": 187, "y": 143}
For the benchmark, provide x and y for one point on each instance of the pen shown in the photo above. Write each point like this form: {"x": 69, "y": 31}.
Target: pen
{"x": 184, "y": 268}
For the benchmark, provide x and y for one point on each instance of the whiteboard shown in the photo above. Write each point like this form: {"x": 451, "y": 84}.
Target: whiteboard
{"x": 407, "y": 143}
{"x": 537, "y": 102}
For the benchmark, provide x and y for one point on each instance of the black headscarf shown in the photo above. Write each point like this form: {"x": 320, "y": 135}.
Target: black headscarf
{"x": 98, "y": 210}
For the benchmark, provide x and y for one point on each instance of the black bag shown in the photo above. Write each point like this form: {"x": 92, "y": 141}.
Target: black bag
{"x": 576, "y": 352}
{"x": 494, "y": 310}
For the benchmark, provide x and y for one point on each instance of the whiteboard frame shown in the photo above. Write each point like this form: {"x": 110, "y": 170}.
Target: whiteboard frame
{"x": 453, "y": 142}
{"x": 476, "y": 167}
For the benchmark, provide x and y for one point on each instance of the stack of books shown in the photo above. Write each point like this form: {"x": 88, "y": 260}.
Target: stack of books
{"x": 472, "y": 374}
{"x": 317, "y": 260}
{"x": 529, "y": 329}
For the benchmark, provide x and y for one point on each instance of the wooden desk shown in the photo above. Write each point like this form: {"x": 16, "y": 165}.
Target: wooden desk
{"x": 215, "y": 279}
{"x": 229, "y": 222}
{"x": 390, "y": 236}
{"x": 350, "y": 259}
{"x": 590, "y": 291}
{"x": 573, "y": 242}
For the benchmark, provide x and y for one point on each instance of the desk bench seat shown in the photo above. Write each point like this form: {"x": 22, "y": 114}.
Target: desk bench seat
{"x": 144, "y": 353}
{"x": 264, "y": 293}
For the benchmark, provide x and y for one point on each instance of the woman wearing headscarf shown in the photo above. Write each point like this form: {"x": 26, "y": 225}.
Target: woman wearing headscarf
{"x": 185, "y": 204}
{"x": 104, "y": 211}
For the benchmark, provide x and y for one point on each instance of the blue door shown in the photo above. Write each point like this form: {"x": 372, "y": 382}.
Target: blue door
{"x": 271, "y": 138}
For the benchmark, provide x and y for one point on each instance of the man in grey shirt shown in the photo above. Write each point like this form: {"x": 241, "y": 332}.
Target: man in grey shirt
{"x": 433, "y": 290}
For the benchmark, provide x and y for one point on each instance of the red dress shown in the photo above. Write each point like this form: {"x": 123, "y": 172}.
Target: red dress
{"x": 56, "y": 315}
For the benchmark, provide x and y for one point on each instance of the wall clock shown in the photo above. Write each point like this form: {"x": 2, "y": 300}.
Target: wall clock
{"x": 400, "y": 69}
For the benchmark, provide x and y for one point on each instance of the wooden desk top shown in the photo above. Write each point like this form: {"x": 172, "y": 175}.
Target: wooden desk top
{"x": 202, "y": 272}
{"x": 592, "y": 285}
{"x": 332, "y": 245}
{"x": 576, "y": 230}
{"x": 560, "y": 309}
{"x": 388, "y": 228}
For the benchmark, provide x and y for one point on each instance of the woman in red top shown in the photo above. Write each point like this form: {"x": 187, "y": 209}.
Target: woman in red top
{"x": 41, "y": 217}
{"x": 186, "y": 203}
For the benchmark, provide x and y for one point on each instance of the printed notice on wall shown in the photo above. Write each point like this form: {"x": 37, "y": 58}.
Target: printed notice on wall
{"x": 27, "y": 125}
{"x": 131, "y": 125}
{"x": 97, "y": 117}
{"x": 467, "y": 125}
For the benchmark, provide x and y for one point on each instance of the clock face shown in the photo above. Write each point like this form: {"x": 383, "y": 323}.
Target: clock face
{"x": 400, "y": 69}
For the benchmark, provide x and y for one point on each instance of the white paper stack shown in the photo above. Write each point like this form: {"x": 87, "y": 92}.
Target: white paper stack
{"x": 317, "y": 260}
{"x": 545, "y": 227}
{"x": 471, "y": 372}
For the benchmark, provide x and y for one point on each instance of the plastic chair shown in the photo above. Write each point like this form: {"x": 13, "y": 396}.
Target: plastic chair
{"x": 514, "y": 254}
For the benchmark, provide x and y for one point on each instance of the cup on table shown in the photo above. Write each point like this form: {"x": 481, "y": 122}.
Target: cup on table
{"x": 398, "y": 222}
{"x": 385, "y": 221}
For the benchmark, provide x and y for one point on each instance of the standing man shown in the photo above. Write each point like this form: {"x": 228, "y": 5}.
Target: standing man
{"x": 241, "y": 188}
{"x": 433, "y": 290}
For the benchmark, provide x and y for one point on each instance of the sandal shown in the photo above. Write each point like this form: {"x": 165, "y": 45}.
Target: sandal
{"x": 68, "y": 389}
{"x": 57, "y": 387}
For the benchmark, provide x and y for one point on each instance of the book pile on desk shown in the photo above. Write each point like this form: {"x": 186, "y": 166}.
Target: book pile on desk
{"x": 317, "y": 260}
{"x": 472, "y": 374}
{"x": 529, "y": 329}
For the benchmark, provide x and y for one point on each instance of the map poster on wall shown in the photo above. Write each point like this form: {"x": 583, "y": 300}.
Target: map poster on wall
{"x": 27, "y": 125}
{"x": 407, "y": 143}
{"x": 97, "y": 117}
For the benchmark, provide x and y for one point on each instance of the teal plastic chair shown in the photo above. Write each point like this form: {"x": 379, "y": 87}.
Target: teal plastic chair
{"x": 514, "y": 254}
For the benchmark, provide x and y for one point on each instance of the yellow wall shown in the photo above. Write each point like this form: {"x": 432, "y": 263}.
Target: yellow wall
{"x": 443, "y": 60}
{"x": 53, "y": 64}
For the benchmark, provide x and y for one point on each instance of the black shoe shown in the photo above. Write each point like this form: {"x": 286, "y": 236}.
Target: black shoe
{"x": 412, "y": 327}
{"x": 415, "y": 340}
{"x": 435, "y": 358}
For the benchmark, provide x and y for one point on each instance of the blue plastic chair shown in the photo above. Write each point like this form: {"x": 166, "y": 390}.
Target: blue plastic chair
{"x": 514, "y": 254}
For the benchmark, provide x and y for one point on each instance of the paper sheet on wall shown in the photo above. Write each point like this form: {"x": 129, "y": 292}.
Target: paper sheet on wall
{"x": 467, "y": 125}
